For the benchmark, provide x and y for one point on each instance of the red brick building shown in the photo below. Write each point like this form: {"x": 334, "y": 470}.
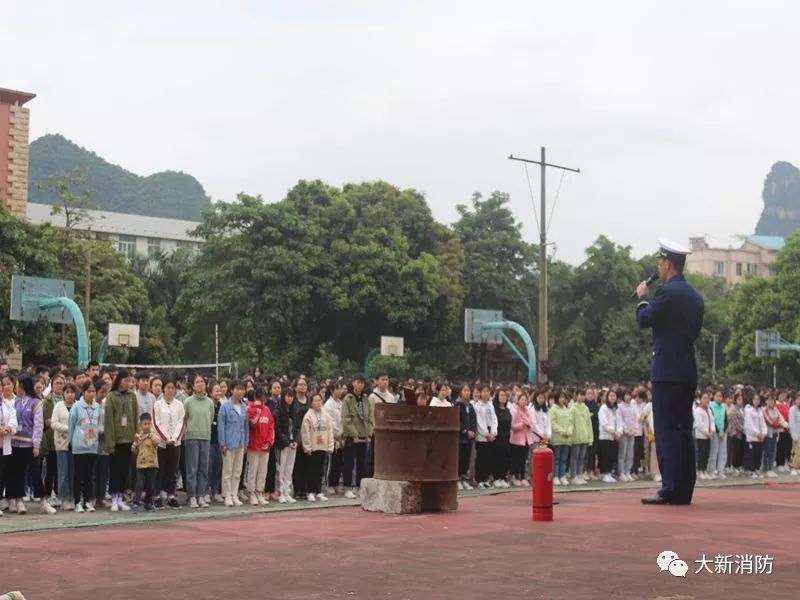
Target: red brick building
{"x": 14, "y": 121}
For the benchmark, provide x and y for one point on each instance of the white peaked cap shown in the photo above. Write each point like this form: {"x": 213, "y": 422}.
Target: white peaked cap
{"x": 668, "y": 246}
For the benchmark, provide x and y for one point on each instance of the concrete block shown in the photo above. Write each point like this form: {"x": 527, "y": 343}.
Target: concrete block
{"x": 393, "y": 497}
{"x": 440, "y": 496}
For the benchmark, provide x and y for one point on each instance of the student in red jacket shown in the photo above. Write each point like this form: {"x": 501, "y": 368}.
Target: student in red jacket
{"x": 262, "y": 437}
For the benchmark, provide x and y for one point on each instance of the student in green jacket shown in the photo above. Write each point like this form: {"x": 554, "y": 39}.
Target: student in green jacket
{"x": 561, "y": 422}
{"x": 582, "y": 438}
{"x": 357, "y": 429}
{"x": 199, "y": 409}
{"x": 121, "y": 414}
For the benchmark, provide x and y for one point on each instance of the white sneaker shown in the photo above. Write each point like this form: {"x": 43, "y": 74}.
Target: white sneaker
{"x": 291, "y": 499}
{"x": 771, "y": 474}
{"x": 282, "y": 500}
{"x": 4, "y": 504}
{"x": 556, "y": 481}
{"x": 89, "y": 507}
{"x": 794, "y": 472}
{"x": 498, "y": 484}
{"x": 47, "y": 509}
{"x": 564, "y": 481}
{"x": 460, "y": 485}
{"x": 526, "y": 483}
{"x": 311, "y": 498}
{"x": 262, "y": 500}
{"x": 322, "y": 497}
{"x": 506, "y": 484}
{"x": 218, "y": 498}
{"x": 193, "y": 502}
{"x": 702, "y": 475}
{"x": 760, "y": 475}
{"x": 253, "y": 500}
{"x": 79, "y": 508}
{"x": 712, "y": 476}
{"x": 350, "y": 495}
{"x": 229, "y": 501}
{"x": 576, "y": 481}
{"x": 468, "y": 486}
{"x": 122, "y": 505}
{"x": 20, "y": 509}
{"x": 206, "y": 499}
{"x": 114, "y": 504}
{"x": 722, "y": 476}
{"x": 236, "y": 501}
{"x": 330, "y": 491}
{"x": 608, "y": 478}
{"x": 657, "y": 478}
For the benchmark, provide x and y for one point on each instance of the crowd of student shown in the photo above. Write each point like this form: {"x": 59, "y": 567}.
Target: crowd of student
{"x": 121, "y": 440}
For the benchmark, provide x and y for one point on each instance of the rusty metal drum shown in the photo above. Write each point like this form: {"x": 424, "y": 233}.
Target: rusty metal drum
{"x": 416, "y": 443}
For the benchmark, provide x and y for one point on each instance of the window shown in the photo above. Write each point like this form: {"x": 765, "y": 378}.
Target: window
{"x": 752, "y": 268}
{"x": 153, "y": 247}
{"x": 101, "y": 237}
{"x": 127, "y": 245}
{"x": 738, "y": 269}
{"x": 719, "y": 268}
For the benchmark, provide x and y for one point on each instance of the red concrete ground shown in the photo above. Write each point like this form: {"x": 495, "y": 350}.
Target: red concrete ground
{"x": 602, "y": 544}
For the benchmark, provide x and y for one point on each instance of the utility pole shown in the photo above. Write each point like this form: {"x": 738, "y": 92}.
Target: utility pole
{"x": 714, "y": 338}
{"x": 543, "y": 349}
{"x": 87, "y": 296}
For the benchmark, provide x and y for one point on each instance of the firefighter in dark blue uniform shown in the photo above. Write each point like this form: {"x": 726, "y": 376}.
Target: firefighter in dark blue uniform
{"x": 675, "y": 314}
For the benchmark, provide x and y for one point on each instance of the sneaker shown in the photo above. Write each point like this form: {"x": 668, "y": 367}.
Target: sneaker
{"x": 253, "y": 500}
{"x": 47, "y": 509}
{"x": 150, "y": 507}
{"x": 21, "y": 510}
{"x": 576, "y": 481}
{"x": 89, "y": 507}
{"x": 274, "y": 496}
{"x": 107, "y": 497}
{"x": 282, "y": 500}
{"x": 203, "y": 503}
{"x": 760, "y": 475}
{"x": 27, "y": 498}
{"x": 262, "y": 499}
{"x": 350, "y": 495}
{"x": 173, "y": 502}
{"x": 330, "y": 491}
{"x": 506, "y": 484}
{"x": 341, "y": 490}
{"x": 134, "y": 508}
{"x": 794, "y": 472}
{"x": 311, "y": 498}
{"x": 114, "y": 504}
{"x": 193, "y": 502}
{"x": 206, "y": 498}
{"x": 228, "y": 501}
{"x": 771, "y": 474}
{"x": 711, "y": 476}
{"x": 79, "y": 508}
{"x": 467, "y": 485}
{"x": 657, "y": 478}
{"x": 218, "y": 498}
{"x": 608, "y": 478}
{"x": 556, "y": 481}
{"x": 564, "y": 480}
{"x": 122, "y": 505}
{"x": 322, "y": 497}
{"x": 460, "y": 485}
{"x": 722, "y": 476}
{"x": 525, "y": 483}
{"x": 4, "y": 505}
{"x": 236, "y": 501}
{"x": 498, "y": 485}
{"x": 290, "y": 500}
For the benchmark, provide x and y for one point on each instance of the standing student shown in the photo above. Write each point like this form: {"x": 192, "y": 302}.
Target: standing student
{"x": 301, "y": 406}
{"x": 794, "y": 429}
{"x": 8, "y": 425}
{"x": 145, "y": 399}
{"x": 639, "y": 401}
{"x": 145, "y": 447}
{"x": 542, "y": 426}
{"x": 582, "y": 438}
{"x": 735, "y": 420}
{"x": 466, "y": 436}
{"x": 333, "y": 408}
{"x": 199, "y": 410}
{"x": 25, "y": 445}
{"x": 59, "y": 423}
{"x": 261, "y": 438}
{"x": 234, "y": 435}
{"x": 317, "y": 436}
{"x": 83, "y": 432}
{"x": 755, "y": 430}
{"x": 102, "y": 466}
{"x": 561, "y": 420}
{"x": 591, "y": 451}
{"x": 214, "y": 453}
{"x": 610, "y": 432}
{"x": 629, "y": 416}
{"x": 440, "y": 399}
{"x": 286, "y": 433}
{"x": 273, "y": 403}
{"x": 48, "y": 453}
{"x": 650, "y": 432}
{"x": 120, "y": 426}
{"x": 501, "y": 454}
{"x": 521, "y": 438}
{"x": 169, "y": 420}
{"x": 357, "y": 427}
{"x": 486, "y": 433}
{"x": 718, "y": 452}
{"x": 703, "y": 433}
{"x": 784, "y": 446}
{"x": 775, "y": 424}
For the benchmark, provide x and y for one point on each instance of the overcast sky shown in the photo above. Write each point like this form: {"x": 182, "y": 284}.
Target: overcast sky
{"x": 674, "y": 111}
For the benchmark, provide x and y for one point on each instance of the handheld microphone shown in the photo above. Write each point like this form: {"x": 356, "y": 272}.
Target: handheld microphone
{"x": 648, "y": 281}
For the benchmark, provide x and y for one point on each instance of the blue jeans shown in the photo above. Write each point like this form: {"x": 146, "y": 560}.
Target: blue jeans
{"x": 578, "y": 460}
{"x": 66, "y": 473}
{"x": 214, "y": 468}
{"x": 561, "y": 457}
{"x": 196, "y": 467}
{"x": 770, "y": 447}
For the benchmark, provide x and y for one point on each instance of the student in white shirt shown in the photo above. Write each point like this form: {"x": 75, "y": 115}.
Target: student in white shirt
{"x": 703, "y": 432}
{"x": 440, "y": 399}
{"x": 333, "y": 408}
{"x": 610, "y": 431}
{"x": 486, "y": 421}
{"x": 755, "y": 430}
{"x": 169, "y": 423}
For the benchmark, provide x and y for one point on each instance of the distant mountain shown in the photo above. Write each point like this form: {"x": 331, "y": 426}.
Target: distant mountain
{"x": 781, "y": 214}
{"x": 168, "y": 194}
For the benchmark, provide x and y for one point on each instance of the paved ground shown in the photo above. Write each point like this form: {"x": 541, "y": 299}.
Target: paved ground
{"x": 602, "y": 544}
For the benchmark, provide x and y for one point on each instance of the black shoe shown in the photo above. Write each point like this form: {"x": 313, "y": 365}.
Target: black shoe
{"x": 173, "y": 503}
{"x": 654, "y": 500}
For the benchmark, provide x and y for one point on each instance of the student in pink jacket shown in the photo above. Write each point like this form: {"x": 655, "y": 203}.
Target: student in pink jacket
{"x": 521, "y": 439}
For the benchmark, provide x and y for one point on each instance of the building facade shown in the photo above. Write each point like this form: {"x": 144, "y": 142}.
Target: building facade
{"x": 130, "y": 234}
{"x": 14, "y": 125}
{"x": 754, "y": 257}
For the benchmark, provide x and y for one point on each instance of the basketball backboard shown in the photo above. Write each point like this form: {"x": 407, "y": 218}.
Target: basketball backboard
{"x": 26, "y": 292}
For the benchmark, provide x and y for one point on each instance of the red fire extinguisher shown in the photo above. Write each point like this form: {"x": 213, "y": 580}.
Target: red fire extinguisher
{"x": 542, "y": 483}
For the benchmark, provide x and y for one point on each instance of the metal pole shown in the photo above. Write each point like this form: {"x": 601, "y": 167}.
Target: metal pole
{"x": 774, "y": 375}
{"x": 543, "y": 353}
{"x": 216, "y": 348}
{"x": 714, "y": 338}
{"x": 88, "y": 291}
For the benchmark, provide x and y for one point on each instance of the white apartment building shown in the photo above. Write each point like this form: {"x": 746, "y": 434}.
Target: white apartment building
{"x": 754, "y": 256}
